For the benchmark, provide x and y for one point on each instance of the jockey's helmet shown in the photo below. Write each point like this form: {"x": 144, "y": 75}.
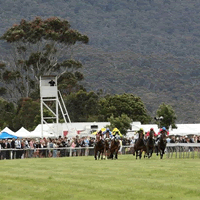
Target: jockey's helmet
{"x": 107, "y": 129}
{"x": 163, "y": 129}
{"x": 151, "y": 129}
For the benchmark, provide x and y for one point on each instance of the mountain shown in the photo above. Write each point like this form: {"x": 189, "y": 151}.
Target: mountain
{"x": 146, "y": 47}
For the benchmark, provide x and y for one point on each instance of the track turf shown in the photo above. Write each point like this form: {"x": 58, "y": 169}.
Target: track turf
{"x": 84, "y": 178}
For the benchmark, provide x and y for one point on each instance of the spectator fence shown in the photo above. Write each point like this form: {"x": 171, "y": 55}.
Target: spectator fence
{"x": 173, "y": 150}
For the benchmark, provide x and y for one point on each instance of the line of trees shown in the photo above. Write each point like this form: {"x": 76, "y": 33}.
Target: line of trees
{"x": 44, "y": 47}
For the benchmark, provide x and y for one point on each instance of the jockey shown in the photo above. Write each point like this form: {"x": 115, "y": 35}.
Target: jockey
{"x": 163, "y": 129}
{"x": 137, "y": 134}
{"x": 151, "y": 130}
{"x": 107, "y": 135}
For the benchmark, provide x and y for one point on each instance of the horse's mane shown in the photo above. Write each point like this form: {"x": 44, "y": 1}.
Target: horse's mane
{"x": 163, "y": 139}
{"x": 163, "y": 135}
{"x": 151, "y": 134}
{"x": 141, "y": 135}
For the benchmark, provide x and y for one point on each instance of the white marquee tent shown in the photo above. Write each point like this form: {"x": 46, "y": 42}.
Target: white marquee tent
{"x": 51, "y": 130}
{"x": 7, "y": 130}
{"x": 181, "y": 130}
{"x": 186, "y": 129}
{"x": 22, "y": 132}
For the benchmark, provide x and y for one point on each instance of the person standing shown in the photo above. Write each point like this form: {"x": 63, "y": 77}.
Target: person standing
{"x": 86, "y": 145}
{"x": 3, "y": 153}
{"x": 8, "y": 146}
{"x": 18, "y": 147}
{"x": 12, "y": 146}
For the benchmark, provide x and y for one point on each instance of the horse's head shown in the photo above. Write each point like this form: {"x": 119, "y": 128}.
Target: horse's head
{"x": 151, "y": 133}
{"x": 141, "y": 133}
{"x": 107, "y": 133}
{"x": 163, "y": 135}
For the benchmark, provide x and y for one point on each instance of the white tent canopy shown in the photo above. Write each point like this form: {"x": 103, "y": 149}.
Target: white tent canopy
{"x": 130, "y": 134}
{"x": 7, "y": 130}
{"x": 49, "y": 130}
{"x": 22, "y": 132}
{"x": 186, "y": 129}
{"x": 182, "y": 129}
{"x": 38, "y": 134}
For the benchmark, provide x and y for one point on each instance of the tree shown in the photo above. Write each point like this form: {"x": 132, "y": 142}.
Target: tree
{"x": 40, "y": 47}
{"x": 82, "y": 106}
{"x": 8, "y": 112}
{"x": 169, "y": 116}
{"x": 26, "y": 113}
{"x": 123, "y": 123}
{"x": 127, "y": 104}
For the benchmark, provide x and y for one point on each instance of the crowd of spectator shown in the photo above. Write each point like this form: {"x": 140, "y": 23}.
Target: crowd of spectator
{"x": 47, "y": 147}
{"x": 43, "y": 147}
{"x": 184, "y": 139}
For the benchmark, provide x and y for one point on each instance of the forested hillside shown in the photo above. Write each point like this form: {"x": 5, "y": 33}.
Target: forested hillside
{"x": 146, "y": 47}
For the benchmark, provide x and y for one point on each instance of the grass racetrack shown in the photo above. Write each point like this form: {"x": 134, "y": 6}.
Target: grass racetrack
{"x": 84, "y": 178}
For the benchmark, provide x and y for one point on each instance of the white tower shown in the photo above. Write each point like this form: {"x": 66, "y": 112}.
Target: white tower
{"x": 50, "y": 98}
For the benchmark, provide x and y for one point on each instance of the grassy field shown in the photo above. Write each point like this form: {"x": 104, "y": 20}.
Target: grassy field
{"x": 84, "y": 178}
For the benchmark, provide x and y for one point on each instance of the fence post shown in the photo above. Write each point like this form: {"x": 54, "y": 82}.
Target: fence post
{"x": 70, "y": 153}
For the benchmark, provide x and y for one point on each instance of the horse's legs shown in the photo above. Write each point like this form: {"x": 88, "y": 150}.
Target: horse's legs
{"x": 145, "y": 154}
{"x": 137, "y": 154}
{"x": 140, "y": 155}
{"x": 150, "y": 153}
{"x": 111, "y": 156}
{"x": 161, "y": 153}
{"x": 99, "y": 154}
{"x": 95, "y": 154}
{"x": 133, "y": 151}
{"x": 116, "y": 152}
{"x": 105, "y": 154}
{"x": 147, "y": 151}
{"x": 102, "y": 154}
{"x": 157, "y": 151}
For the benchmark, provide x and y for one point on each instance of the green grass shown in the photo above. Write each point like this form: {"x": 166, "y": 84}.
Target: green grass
{"x": 84, "y": 178}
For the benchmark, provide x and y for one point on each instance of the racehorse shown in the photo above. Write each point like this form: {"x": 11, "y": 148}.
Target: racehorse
{"x": 139, "y": 146}
{"x": 99, "y": 147}
{"x": 115, "y": 145}
{"x": 162, "y": 144}
{"x": 150, "y": 144}
{"x": 107, "y": 145}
